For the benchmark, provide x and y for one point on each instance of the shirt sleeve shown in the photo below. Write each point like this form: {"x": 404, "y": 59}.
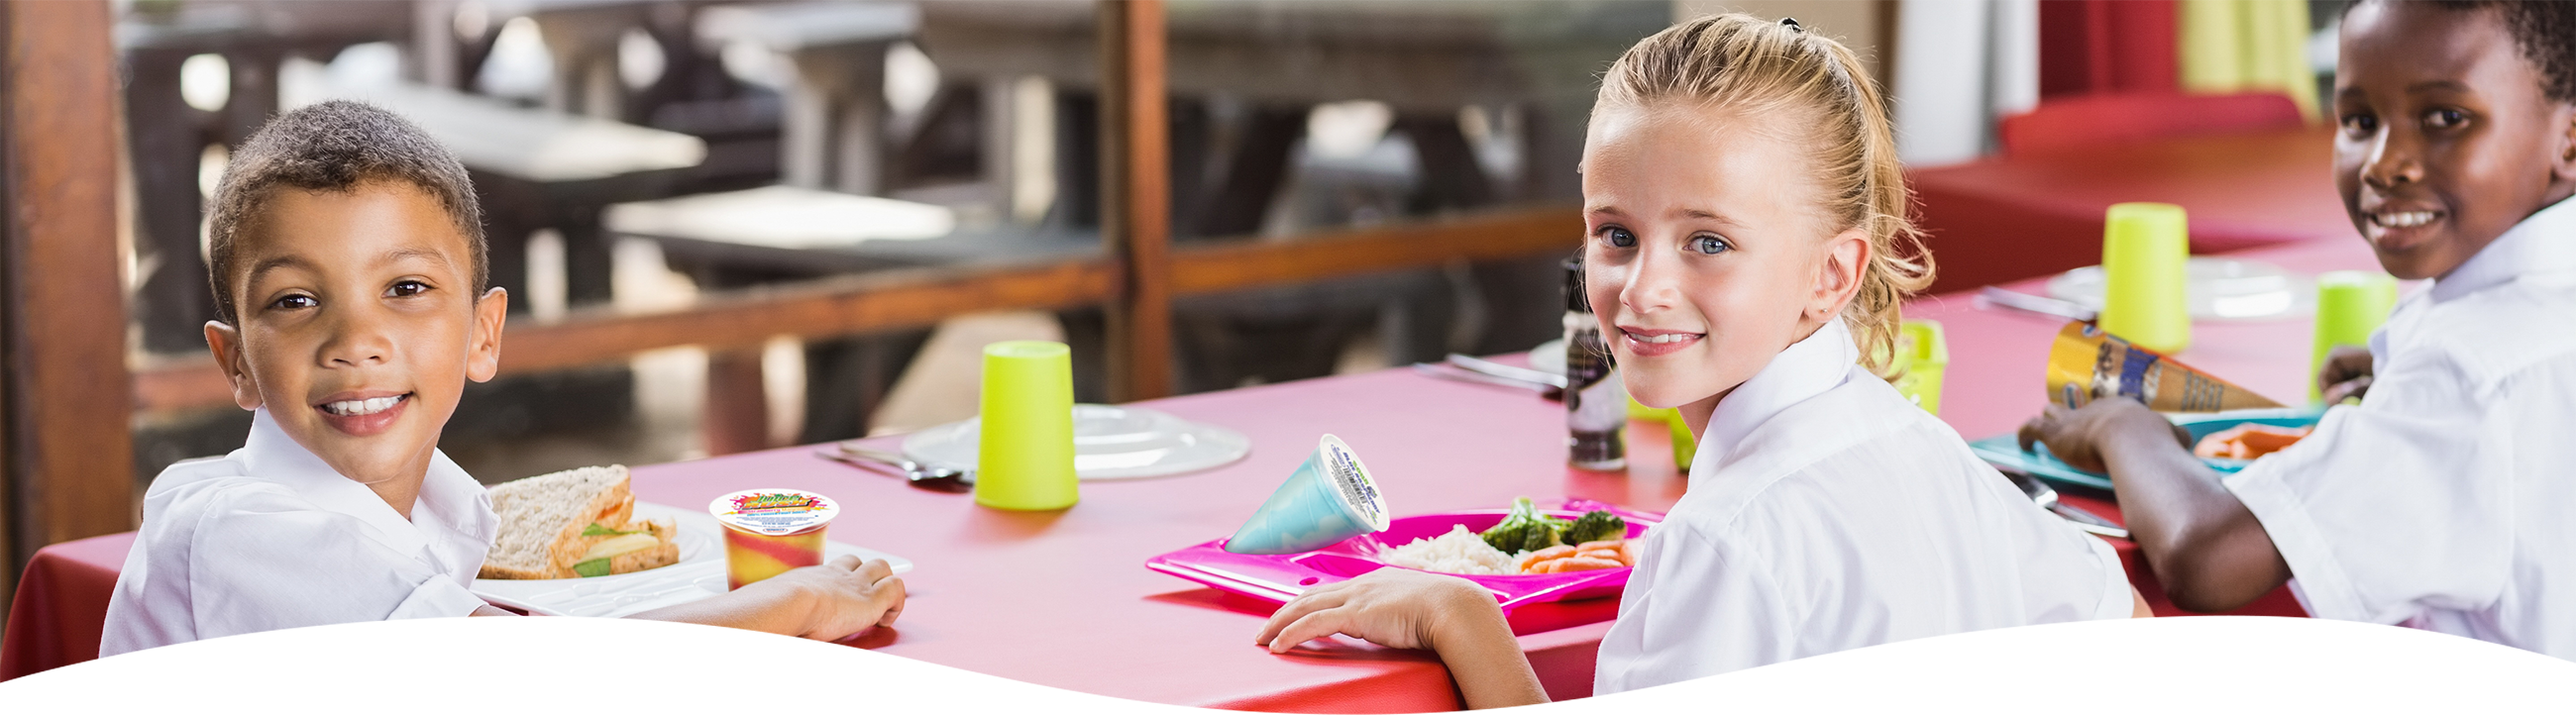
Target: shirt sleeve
{"x": 1712, "y": 609}
{"x": 2391, "y": 506}
{"x": 264, "y": 561}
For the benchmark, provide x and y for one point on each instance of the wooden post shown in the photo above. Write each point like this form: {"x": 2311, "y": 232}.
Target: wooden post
{"x": 1136, "y": 197}
{"x": 68, "y": 454}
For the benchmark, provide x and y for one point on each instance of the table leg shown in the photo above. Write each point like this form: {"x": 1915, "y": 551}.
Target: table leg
{"x": 587, "y": 264}
{"x": 172, "y": 303}
{"x": 736, "y": 415}
{"x": 1252, "y": 176}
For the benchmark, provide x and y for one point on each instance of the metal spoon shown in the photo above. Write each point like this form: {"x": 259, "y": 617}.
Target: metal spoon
{"x": 2046, "y": 496}
{"x": 931, "y": 477}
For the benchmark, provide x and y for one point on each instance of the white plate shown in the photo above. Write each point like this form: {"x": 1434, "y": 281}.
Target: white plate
{"x": 1109, "y": 442}
{"x": 699, "y": 574}
{"x": 1549, "y": 357}
{"x": 2215, "y": 288}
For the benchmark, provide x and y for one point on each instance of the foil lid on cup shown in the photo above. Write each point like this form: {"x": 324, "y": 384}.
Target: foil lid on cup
{"x": 774, "y": 512}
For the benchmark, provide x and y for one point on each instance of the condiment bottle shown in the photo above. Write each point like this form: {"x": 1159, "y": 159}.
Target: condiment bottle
{"x": 1596, "y": 405}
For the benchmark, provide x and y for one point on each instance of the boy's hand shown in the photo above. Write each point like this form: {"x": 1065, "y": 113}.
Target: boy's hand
{"x": 1392, "y": 607}
{"x": 847, "y": 596}
{"x": 2078, "y": 436}
{"x": 2346, "y": 374}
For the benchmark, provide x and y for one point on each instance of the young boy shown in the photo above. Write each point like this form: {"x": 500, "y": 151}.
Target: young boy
{"x": 2442, "y": 502}
{"x": 349, "y": 275}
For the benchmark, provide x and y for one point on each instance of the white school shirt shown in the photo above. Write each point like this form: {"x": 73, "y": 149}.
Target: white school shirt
{"x": 2447, "y": 499}
{"x": 271, "y": 537}
{"x": 1825, "y": 513}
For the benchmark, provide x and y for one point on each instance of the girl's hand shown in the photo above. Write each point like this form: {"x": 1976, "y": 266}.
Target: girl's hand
{"x": 2078, "y": 437}
{"x": 846, "y": 596}
{"x": 1392, "y": 607}
{"x": 2346, "y": 374}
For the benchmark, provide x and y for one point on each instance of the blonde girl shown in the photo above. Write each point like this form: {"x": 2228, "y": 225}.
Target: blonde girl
{"x": 1747, "y": 252}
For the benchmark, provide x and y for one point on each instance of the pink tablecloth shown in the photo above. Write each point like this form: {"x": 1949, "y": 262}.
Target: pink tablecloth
{"x": 1062, "y": 599}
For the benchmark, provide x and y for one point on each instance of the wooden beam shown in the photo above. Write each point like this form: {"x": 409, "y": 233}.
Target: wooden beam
{"x": 1231, "y": 265}
{"x": 69, "y": 454}
{"x": 1136, "y": 197}
{"x": 860, "y": 304}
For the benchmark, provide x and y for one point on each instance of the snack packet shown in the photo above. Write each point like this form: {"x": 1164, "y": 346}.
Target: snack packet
{"x": 2086, "y": 362}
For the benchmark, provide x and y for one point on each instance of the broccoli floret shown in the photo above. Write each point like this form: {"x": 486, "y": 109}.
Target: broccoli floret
{"x": 1527, "y": 530}
{"x": 1596, "y": 526}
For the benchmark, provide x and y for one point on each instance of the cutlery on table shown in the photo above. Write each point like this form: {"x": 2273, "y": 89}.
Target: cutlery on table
{"x": 2046, "y": 496}
{"x": 1450, "y": 371}
{"x": 931, "y": 477}
{"x": 1489, "y": 367}
{"x": 2035, "y": 304}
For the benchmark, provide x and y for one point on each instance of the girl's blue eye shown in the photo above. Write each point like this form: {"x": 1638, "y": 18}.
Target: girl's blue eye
{"x": 294, "y": 302}
{"x": 1710, "y": 245}
{"x": 1619, "y": 237}
{"x": 406, "y": 288}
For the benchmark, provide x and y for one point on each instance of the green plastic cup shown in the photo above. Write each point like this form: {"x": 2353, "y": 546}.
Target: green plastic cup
{"x": 2350, "y": 305}
{"x": 1024, "y": 459}
{"x": 1923, "y": 353}
{"x": 2144, "y": 249}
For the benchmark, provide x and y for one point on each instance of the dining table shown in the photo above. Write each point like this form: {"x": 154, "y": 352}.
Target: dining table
{"x": 1062, "y": 598}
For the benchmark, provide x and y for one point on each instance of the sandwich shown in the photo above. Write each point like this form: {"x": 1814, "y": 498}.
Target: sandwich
{"x": 574, "y": 523}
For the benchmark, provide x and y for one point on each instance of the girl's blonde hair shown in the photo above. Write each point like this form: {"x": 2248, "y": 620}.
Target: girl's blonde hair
{"x": 1738, "y": 63}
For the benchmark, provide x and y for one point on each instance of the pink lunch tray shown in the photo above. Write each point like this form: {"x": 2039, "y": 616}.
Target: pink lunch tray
{"x": 1278, "y": 578}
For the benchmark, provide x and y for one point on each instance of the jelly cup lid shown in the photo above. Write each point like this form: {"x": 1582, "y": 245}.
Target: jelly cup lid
{"x": 776, "y": 512}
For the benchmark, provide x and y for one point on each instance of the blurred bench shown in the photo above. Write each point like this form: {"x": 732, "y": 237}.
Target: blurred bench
{"x": 836, "y": 109}
{"x": 781, "y": 234}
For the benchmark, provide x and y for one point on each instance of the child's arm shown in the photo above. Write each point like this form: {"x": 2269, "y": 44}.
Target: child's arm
{"x": 1400, "y": 608}
{"x": 2207, "y": 548}
{"x": 2347, "y": 373}
{"x": 827, "y": 602}
{"x": 737, "y": 652}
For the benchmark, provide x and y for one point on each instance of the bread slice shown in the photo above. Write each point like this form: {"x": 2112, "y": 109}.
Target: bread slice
{"x": 543, "y": 517}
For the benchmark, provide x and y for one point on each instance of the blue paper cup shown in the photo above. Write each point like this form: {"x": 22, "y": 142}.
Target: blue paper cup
{"x": 1329, "y": 498}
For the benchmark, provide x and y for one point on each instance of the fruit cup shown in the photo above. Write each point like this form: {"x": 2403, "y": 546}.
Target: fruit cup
{"x": 768, "y": 531}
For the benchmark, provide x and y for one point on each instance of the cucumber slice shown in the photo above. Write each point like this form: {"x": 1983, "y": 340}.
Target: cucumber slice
{"x": 621, "y": 545}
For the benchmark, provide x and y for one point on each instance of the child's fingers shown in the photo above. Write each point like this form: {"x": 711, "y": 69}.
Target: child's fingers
{"x": 888, "y": 596}
{"x": 874, "y": 570}
{"x": 1313, "y": 601}
{"x": 1312, "y": 626}
{"x": 844, "y": 563}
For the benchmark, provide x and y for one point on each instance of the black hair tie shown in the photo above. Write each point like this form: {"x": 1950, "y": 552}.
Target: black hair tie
{"x": 1792, "y": 23}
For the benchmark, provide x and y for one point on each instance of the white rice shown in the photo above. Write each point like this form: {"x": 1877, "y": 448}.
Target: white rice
{"x": 1460, "y": 552}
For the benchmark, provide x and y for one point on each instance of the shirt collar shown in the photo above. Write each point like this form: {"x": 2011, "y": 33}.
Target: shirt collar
{"x": 2544, "y": 242}
{"x": 271, "y": 454}
{"x": 1808, "y": 368}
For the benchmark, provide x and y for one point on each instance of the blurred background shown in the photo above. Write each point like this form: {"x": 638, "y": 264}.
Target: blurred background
{"x": 729, "y": 226}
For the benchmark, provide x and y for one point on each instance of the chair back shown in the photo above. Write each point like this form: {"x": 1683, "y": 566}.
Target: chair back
{"x": 2121, "y": 117}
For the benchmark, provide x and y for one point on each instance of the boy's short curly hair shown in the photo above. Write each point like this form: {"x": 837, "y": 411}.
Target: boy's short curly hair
{"x": 334, "y": 146}
{"x": 2545, "y": 32}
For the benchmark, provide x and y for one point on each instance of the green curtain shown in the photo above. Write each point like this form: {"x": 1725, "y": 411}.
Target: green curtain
{"x": 2248, "y": 46}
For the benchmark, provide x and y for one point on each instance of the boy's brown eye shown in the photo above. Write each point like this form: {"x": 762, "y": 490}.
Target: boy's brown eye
{"x": 2445, "y": 118}
{"x": 2360, "y": 123}
{"x": 404, "y": 288}
{"x": 294, "y": 302}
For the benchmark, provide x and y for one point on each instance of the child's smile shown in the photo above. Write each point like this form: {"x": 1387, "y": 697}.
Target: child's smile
{"x": 1706, "y": 254}
{"x": 2448, "y": 139}
{"x": 359, "y": 326}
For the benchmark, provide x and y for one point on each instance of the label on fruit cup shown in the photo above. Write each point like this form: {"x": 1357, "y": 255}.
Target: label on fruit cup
{"x": 774, "y": 512}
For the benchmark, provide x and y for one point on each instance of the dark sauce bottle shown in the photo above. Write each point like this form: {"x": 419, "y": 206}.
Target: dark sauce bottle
{"x": 1596, "y": 405}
